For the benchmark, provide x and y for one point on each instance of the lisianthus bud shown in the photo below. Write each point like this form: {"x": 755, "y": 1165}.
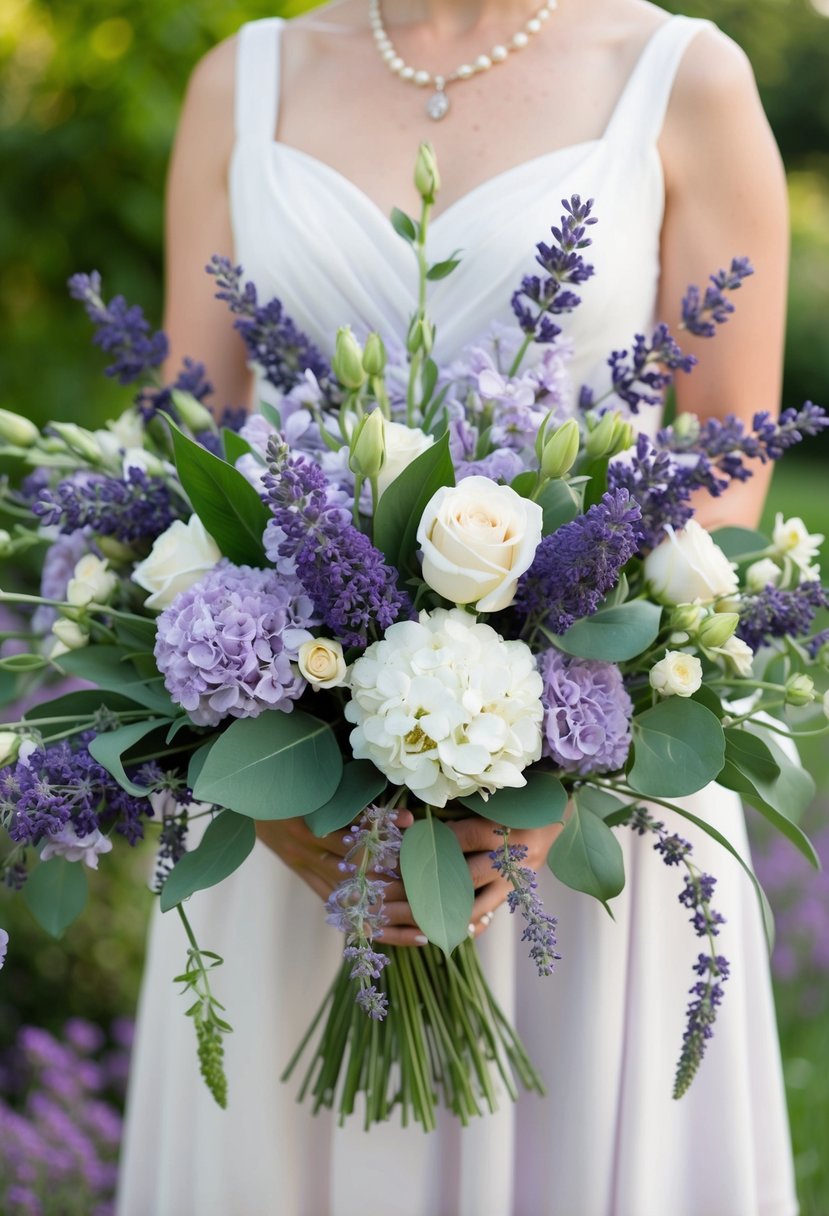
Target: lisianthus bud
{"x": 687, "y": 617}
{"x": 715, "y": 630}
{"x": 16, "y": 429}
{"x": 427, "y": 178}
{"x": 800, "y": 689}
{"x": 763, "y": 573}
{"x": 678, "y": 674}
{"x": 374, "y": 356}
{"x": 368, "y": 448}
{"x": 561, "y": 449}
{"x": 78, "y": 440}
{"x": 92, "y": 582}
{"x": 191, "y": 412}
{"x": 70, "y": 636}
{"x": 321, "y": 662}
{"x": 611, "y": 435}
{"x": 421, "y": 336}
{"x": 347, "y": 363}
{"x": 9, "y": 747}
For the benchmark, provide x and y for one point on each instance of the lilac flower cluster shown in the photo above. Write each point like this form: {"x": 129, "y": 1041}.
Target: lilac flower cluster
{"x": 132, "y": 508}
{"x": 226, "y": 645}
{"x": 355, "y": 907}
{"x": 587, "y": 713}
{"x": 576, "y": 566}
{"x": 121, "y": 330}
{"x": 776, "y": 613}
{"x": 701, "y": 314}
{"x": 275, "y": 344}
{"x": 59, "y": 794}
{"x": 352, "y": 587}
{"x": 712, "y": 969}
{"x": 540, "y": 298}
{"x": 539, "y": 928}
{"x": 59, "y": 1124}
{"x": 635, "y": 376}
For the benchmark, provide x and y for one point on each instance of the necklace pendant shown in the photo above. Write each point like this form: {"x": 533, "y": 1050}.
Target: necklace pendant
{"x": 438, "y": 105}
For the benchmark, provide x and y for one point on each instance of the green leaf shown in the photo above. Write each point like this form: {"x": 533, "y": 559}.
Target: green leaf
{"x": 750, "y": 755}
{"x": 401, "y": 506}
{"x": 441, "y": 270}
{"x": 428, "y": 380}
{"x": 109, "y": 747}
{"x": 587, "y": 856}
{"x": 599, "y": 802}
{"x": 275, "y": 766}
{"x": 794, "y": 790}
{"x": 438, "y": 883}
{"x": 227, "y": 504}
{"x": 560, "y": 504}
{"x": 111, "y": 669}
{"x": 359, "y": 785}
{"x": 234, "y": 445}
{"x": 196, "y": 764}
{"x": 135, "y": 632}
{"x": 613, "y": 634}
{"x": 524, "y": 484}
{"x": 55, "y": 893}
{"x": 403, "y": 225}
{"x": 82, "y": 705}
{"x": 224, "y": 846}
{"x": 541, "y": 801}
{"x": 596, "y": 486}
{"x": 271, "y": 414}
{"x": 707, "y": 697}
{"x": 678, "y": 748}
{"x": 739, "y": 542}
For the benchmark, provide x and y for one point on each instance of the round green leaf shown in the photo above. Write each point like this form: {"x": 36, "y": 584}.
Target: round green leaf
{"x": 541, "y": 801}
{"x": 613, "y": 634}
{"x": 438, "y": 883}
{"x": 224, "y": 846}
{"x": 55, "y": 893}
{"x": 360, "y": 784}
{"x": 587, "y": 856}
{"x": 678, "y": 748}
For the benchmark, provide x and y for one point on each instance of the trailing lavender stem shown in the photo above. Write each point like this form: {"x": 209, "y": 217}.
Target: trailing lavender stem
{"x": 540, "y": 928}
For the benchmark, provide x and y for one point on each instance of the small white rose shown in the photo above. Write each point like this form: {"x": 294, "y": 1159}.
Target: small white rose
{"x": 792, "y": 540}
{"x": 763, "y": 573}
{"x": 688, "y": 567}
{"x": 179, "y": 558}
{"x": 739, "y": 655}
{"x": 69, "y": 636}
{"x": 9, "y": 747}
{"x": 677, "y": 675}
{"x": 321, "y": 662}
{"x": 403, "y": 445}
{"x": 478, "y": 538}
{"x": 92, "y": 582}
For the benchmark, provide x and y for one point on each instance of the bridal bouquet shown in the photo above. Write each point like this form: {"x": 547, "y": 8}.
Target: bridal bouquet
{"x": 459, "y": 590}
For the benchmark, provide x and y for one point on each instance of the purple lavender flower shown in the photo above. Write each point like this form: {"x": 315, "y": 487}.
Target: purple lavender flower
{"x": 636, "y": 377}
{"x": 274, "y": 343}
{"x": 576, "y": 566}
{"x": 701, "y": 314}
{"x": 133, "y": 508}
{"x": 191, "y": 379}
{"x": 121, "y": 330}
{"x": 587, "y": 712}
{"x": 661, "y": 487}
{"x": 226, "y": 645}
{"x": 539, "y": 298}
{"x": 352, "y": 587}
{"x": 774, "y": 613}
{"x": 539, "y": 929}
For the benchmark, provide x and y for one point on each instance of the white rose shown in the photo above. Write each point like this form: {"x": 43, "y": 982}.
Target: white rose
{"x": 763, "y": 574}
{"x": 678, "y": 674}
{"x": 179, "y": 558}
{"x": 92, "y": 583}
{"x": 792, "y": 540}
{"x": 739, "y": 654}
{"x": 687, "y": 567}
{"x": 403, "y": 444}
{"x": 69, "y": 636}
{"x": 9, "y": 746}
{"x": 321, "y": 662}
{"x": 478, "y": 538}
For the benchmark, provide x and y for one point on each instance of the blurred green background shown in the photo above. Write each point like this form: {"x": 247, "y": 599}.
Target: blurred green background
{"x": 89, "y": 93}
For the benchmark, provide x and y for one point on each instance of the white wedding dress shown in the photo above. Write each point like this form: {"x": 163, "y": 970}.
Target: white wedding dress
{"x": 606, "y": 1029}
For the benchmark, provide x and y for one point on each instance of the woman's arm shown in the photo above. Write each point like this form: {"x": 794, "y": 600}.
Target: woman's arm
{"x": 725, "y": 197}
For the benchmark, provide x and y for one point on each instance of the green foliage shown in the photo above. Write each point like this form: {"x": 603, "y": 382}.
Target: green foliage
{"x": 587, "y": 855}
{"x": 225, "y": 845}
{"x": 399, "y": 511}
{"x": 438, "y": 882}
{"x": 359, "y": 785}
{"x": 613, "y": 634}
{"x": 56, "y": 894}
{"x": 678, "y": 747}
{"x": 541, "y": 801}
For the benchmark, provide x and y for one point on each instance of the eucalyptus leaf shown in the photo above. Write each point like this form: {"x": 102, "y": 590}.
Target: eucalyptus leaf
{"x": 225, "y": 845}
{"x": 196, "y": 763}
{"x": 441, "y": 270}
{"x": 559, "y": 503}
{"x": 438, "y": 883}
{"x": 401, "y": 505}
{"x": 108, "y": 749}
{"x": 110, "y": 668}
{"x": 678, "y": 748}
{"x": 613, "y": 634}
{"x": 587, "y": 856}
{"x": 541, "y": 801}
{"x": 276, "y": 766}
{"x": 56, "y": 893}
{"x": 359, "y": 785}
{"x": 740, "y": 542}
{"x": 599, "y": 802}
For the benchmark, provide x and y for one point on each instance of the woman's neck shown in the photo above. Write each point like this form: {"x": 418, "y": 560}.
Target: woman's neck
{"x": 458, "y": 18}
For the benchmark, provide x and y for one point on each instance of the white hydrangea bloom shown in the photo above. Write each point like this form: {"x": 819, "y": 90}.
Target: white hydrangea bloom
{"x": 446, "y": 707}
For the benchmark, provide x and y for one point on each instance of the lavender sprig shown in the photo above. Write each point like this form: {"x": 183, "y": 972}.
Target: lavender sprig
{"x": 274, "y": 342}
{"x": 712, "y": 969}
{"x": 121, "y": 330}
{"x": 132, "y": 508}
{"x": 635, "y": 376}
{"x": 774, "y": 613}
{"x": 355, "y": 907}
{"x": 539, "y": 929}
{"x": 701, "y": 314}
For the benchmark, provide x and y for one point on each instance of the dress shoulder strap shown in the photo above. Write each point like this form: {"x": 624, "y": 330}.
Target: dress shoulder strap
{"x": 257, "y": 78}
{"x": 640, "y": 111}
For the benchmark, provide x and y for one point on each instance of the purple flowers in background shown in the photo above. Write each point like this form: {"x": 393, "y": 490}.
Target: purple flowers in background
{"x": 539, "y": 298}
{"x": 587, "y": 712}
{"x": 225, "y": 645}
{"x": 774, "y": 613}
{"x": 539, "y": 929}
{"x": 121, "y": 330}
{"x": 132, "y": 508}
{"x": 701, "y": 314}
{"x": 576, "y": 566}
{"x": 4, "y": 946}
{"x": 353, "y": 588}
{"x": 636, "y": 377}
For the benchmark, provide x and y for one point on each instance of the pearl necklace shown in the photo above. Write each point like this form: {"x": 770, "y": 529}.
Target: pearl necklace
{"x": 438, "y": 104}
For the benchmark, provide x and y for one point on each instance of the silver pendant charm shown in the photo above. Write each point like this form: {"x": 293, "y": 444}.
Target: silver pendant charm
{"x": 437, "y": 105}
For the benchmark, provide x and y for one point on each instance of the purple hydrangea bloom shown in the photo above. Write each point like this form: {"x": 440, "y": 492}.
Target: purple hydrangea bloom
{"x": 587, "y": 713}
{"x": 132, "y": 508}
{"x": 121, "y": 330}
{"x": 774, "y": 613}
{"x": 576, "y": 566}
{"x": 226, "y": 645}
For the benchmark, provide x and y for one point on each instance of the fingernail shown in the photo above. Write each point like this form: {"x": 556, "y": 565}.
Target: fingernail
{"x": 421, "y": 940}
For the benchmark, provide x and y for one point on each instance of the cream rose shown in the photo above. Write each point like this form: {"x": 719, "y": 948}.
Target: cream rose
{"x": 739, "y": 655}
{"x": 478, "y": 538}
{"x": 91, "y": 583}
{"x": 687, "y": 567}
{"x": 677, "y": 675}
{"x": 321, "y": 662}
{"x": 179, "y": 558}
{"x": 403, "y": 445}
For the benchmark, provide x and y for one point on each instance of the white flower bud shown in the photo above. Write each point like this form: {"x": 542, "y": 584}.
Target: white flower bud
{"x": 79, "y": 440}
{"x": 368, "y": 449}
{"x": 678, "y": 674}
{"x": 179, "y": 558}
{"x": 70, "y": 636}
{"x": 92, "y": 583}
{"x": 739, "y": 656}
{"x": 191, "y": 412}
{"x": 322, "y": 664}
{"x": 9, "y": 747}
{"x": 763, "y": 573}
{"x": 427, "y": 178}
{"x": 403, "y": 445}
{"x": 716, "y": 629}
{"x": 17, "y": 430}
{"x": 800, "y": 690}
{"x": 561, "y": 449}
{"x": 688, "y": 567}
